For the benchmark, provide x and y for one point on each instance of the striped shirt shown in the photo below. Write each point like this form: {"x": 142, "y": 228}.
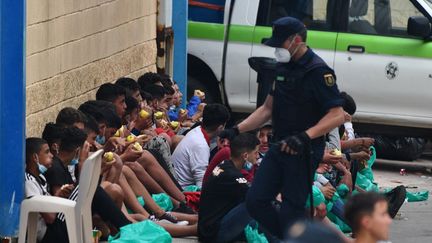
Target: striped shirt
{"x": 73, "y": 196}
{"x": 35, "y": 186}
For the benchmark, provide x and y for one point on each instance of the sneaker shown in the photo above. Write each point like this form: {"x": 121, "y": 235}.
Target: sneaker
{"x": 183, "y": 208}
{"x": 173, "y": 219}
{"x": 153, "y": 218}
{"x": 168, "y": 218}
{"x": 156, "y": 220}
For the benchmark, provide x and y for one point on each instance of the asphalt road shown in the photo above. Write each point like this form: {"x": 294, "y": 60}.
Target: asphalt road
{"x": 414, "y": 224}
{"x": 414, "y": 221}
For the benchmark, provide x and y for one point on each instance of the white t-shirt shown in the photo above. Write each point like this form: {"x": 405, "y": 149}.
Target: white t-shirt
{"x": 191, "y": 158}
{"x": 349, "y": 130}
{"x": 33, "y": 187}
{"x": 320, "y": 181}
{"x": 71, "y": 169}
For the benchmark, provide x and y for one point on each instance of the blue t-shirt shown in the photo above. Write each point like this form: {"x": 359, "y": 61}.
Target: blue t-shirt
{"x": 192, "y": 106}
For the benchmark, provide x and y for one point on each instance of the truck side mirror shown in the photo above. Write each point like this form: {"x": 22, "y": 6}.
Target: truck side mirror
{"x": 419, "y": 26}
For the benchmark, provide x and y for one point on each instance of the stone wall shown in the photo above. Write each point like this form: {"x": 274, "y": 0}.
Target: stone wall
{"x": 74, "y": 46}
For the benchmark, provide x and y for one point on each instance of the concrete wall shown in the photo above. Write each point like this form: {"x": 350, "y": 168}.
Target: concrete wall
{"x": 74, "y": 46}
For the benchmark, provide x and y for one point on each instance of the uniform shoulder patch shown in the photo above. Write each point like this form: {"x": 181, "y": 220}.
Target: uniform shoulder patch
{"x": 329, "y": 79}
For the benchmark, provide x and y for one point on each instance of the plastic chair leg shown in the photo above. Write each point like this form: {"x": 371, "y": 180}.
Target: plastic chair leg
{"x": 32, "y": 227}
{"x": 87, "y": 225}
{"x": 23, "y": 226}
{"x": 73, "y": 228}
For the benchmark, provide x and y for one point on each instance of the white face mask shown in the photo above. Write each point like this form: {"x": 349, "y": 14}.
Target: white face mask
{"x": 282, "y": 55}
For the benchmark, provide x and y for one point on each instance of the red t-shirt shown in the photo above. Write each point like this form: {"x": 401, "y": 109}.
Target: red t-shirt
{"x": 221, "y": 155}
{"x": 160, "y": 130}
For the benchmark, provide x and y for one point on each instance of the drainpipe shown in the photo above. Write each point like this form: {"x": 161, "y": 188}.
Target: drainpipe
{"x": 164, "y": 37}
{"x": 179, "y": 20}
{"x": 12, "y": 115}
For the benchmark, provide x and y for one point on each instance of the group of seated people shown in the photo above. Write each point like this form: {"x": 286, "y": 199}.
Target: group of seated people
{"x": 153, "y": 147}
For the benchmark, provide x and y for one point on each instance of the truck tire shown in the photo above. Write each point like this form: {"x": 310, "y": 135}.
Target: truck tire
{"x": 200, "y": 83}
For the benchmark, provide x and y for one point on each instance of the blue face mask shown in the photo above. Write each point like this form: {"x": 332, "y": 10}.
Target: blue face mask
{"x": 42, "y": 168}
{"x": 247, "y": 166}
{"x": 74, "y": 162}
{"x": 100, "y": 139}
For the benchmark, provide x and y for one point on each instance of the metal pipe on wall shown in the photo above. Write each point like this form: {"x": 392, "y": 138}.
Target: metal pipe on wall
{"x": 12, "y": 114}
{"x": 179, "y": 20}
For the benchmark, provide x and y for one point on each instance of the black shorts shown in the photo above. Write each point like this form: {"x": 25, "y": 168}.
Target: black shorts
{"x": 56, "y": 233}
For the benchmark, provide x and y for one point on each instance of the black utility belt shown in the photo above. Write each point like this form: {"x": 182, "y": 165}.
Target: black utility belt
{"x": 316, "y": 141}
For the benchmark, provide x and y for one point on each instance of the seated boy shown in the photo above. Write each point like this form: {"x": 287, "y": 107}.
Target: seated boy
{"x": 58, "y": 175}
{"x": 105, "y": 115}
{"x": 69, "y": 117}
{"x": 38, "y": 160}
{"x": 175, "y": 113}
{"x": 223, "y": 215}
{"x": 367, "y": 215}
{"x": 114, "y": 94}
{"x": 191, "y": 156}
{"x": 131, "y": 86}
{"x": 224, "y": 153}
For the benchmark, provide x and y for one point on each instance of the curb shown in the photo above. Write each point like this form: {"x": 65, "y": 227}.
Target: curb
{"x": 417, "y": 165}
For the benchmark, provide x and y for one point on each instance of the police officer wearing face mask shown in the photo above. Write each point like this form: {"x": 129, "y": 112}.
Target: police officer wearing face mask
{"x": 304, "y": 105}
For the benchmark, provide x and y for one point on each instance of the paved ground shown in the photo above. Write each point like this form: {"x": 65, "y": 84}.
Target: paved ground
{"x": 186, "y": 240}
{"x": 414, "y": 224}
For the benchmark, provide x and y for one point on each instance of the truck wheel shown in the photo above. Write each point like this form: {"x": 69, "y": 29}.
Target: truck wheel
{"x": 210, "y": 90}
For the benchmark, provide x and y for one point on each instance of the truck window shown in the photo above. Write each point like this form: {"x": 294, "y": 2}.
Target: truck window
{"x": 380, "y": 17}
{"x": 211, "y": 11}
{"x": 316, "y": 14}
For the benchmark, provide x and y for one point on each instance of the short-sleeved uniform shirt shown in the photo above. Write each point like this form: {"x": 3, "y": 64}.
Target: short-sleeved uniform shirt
{"x": 34, "y": 186}
{"x": 225, "y": 189}
{"x": 303, "y": 92}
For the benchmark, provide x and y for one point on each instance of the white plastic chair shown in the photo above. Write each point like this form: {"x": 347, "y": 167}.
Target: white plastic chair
{"x": 77, "y": 214}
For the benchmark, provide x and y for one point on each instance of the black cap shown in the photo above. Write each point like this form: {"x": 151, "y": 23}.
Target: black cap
{"x": 284, "y": 28}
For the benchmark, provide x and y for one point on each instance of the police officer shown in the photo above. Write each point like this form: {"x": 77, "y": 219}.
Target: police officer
{"x": 304, "y": 104}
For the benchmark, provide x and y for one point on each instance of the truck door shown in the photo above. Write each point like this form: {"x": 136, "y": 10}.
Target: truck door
{"x": 239, "y": 48}
{"x": 319, "y": 17}
{"x": 387, "y": 71}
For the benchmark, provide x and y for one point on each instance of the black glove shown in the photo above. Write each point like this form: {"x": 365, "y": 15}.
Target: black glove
{"x": 229, "y": 133}
{"x": 296, "y": 143}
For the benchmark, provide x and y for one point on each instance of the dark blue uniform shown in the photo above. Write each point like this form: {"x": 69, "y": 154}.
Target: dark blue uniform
{"x": 303, "y": 92}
